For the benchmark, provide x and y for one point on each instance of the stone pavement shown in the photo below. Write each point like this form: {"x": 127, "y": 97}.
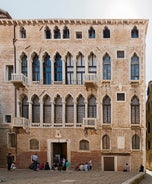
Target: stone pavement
{"x": 19, "y": 176}
{"x": 148, "y": 178}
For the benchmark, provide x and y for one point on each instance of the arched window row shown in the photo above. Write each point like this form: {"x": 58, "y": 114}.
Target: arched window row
{"x": 58, "y": 71}
{"x": 70, "y": 111}
{"x": 64, "y": 33}
{"x": 106, "y": 142}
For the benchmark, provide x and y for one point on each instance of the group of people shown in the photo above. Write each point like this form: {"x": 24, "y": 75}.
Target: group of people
{"x": 127, "y": 169}
{"x": 84, "y": 166}
{"x": 10, "y": 162}
{"x": 60, "y": 164}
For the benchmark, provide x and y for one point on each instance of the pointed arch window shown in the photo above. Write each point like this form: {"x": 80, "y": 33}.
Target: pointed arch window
{"x": 69, "y": 110}
{"x": 135, "y": 111}
{"x": 57, "y": 34}
{"x": 80, "y": 69}
{"x": 105, "y": 142}
{"x": 135, "y": 142}
{"x": 106, "y": 67}
{"x": 47, "y": 32}
{"x": 92, "y": 64}
{"x": 22, "y": 32}
{"x": 25, "y": 107}
{"x": 69, "y": 70}
{"x": 24, "y": 66}
{"x": 47, "y": 70}
{"x": 36, "y": 69}
{"x": 91, "y": 33}
{"x": 106, "y": 33}
{"x": 134, "y": 32}
{"x": 80, "y": 109}
{"x": 84, "y": 145}
{"x": 35, "y": 110}
{"x": 92, "y": 107}
{"x": 58, "y": 110}
{"x": 66, "y": 33}
{"x": 46, "y": 109}
{"x": 58, "y": 68}
{"x": 106, "y": 110}
{"x": 135, "y": 67}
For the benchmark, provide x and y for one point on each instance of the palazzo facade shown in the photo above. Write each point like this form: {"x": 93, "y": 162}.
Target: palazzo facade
{"x": 73, "y": 88}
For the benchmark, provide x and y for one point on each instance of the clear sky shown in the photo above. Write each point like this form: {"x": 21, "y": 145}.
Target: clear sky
{"x": 101, "y": 9}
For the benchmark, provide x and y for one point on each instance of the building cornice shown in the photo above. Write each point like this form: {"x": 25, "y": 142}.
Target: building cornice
{"x": 73, "y": 21}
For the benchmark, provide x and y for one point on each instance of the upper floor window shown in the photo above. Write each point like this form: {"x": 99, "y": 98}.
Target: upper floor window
{"x": 92, "y": 107}
{"x": 106, "y": 67}
{"x": 58, "y": 110}
{"x": 120, "y": 54}
{"x": 66, "y": 33}
{"x": 105, "y": 142}
{"x": 106, "y": 33}
{"x": 92, "y": 63}
{"x": 46, "y": 109}
{"x": 9, "y": 72}
{"x": 36, "y": 68}
{"x": 47, "y": 33}
{"x": 57, "y": 34}
{"x": 22, "y": 32}
{"x": 84, "y": 145}
{"x": 135, "y": 67}
{"x": 79, "y": 35}
{"x": 80, "y": 68}
{"x": 120, "y": 96}
{"x": 80, "y": 109}
{"x": 58, "y": 68}
{"x": 47, "y": 70}
{"x": 24, "y": 69}
{"x": 35, "y": 109}
{"x": 69, "y": 114}
{"x": 69, "y": 70}
{"x": 106, "y": 110}
{"x": 134, "y": 32}
{"x": 135, "y": 142}
{"x": 135, "y": 111}
{"x": 25, "y": 107}
{"x": 91, "y": 33}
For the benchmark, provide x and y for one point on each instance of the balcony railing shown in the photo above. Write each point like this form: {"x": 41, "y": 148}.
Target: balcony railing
{"x": 19, "y": 80}
{"x": 21, "y": 122}
{"x": 90, "y": 80}
{"x": 89, "y": 123}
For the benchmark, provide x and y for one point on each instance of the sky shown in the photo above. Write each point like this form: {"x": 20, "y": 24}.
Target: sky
{"x": 91, "y": 9}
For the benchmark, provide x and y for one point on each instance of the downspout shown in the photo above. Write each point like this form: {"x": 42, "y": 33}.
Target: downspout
{"x": 14, "y": 46}
{"x": 15, "y": 90}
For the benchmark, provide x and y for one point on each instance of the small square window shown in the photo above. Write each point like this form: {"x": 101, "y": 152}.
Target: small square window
{"x": 78, "y": 35}
{"x": 7, "y": 118}
{"x": 120, "y": 54}
{"x": 120, "y": 97}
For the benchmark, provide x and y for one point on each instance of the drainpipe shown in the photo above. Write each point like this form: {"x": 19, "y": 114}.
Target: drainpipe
{"x": 14, "y": 41}
{"x": 15, "y": 90}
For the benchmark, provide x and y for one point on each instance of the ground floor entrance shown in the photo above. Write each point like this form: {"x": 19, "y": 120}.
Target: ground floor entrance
{"x": 57, "y": 150}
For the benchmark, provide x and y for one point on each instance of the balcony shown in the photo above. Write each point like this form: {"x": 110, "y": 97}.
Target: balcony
{"x": 19, "y": 80}
{"x": 89, "y": 123}
{"x": 90, "y": 80}
{"x": 20, "y": 122}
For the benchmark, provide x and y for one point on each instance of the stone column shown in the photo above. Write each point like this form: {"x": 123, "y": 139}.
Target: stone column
{"x": 63, "y": 113}
{"x": 75, "y": 113}
{"x": 63, "y": 71}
